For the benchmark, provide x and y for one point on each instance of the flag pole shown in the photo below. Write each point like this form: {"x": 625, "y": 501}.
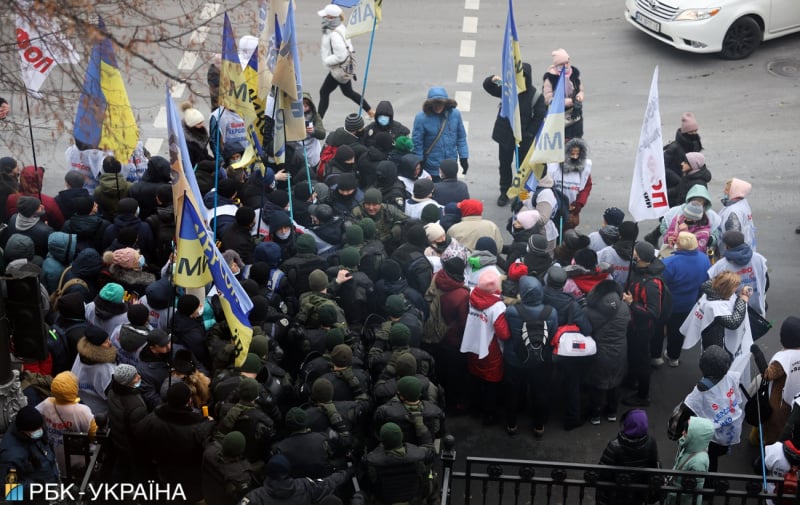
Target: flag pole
{"x": 366, "y": 69}
{"x": 216, "y": 170}
{"x": 33, "y": 145}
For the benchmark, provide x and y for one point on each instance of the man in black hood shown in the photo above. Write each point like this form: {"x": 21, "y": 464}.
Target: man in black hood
{"x": 532, "y": 110}
{"x": 384, "y": 122}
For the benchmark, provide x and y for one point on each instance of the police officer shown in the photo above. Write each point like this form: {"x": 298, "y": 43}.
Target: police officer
{"x": 420, "y": 420}
{"x": 409, "y": 466}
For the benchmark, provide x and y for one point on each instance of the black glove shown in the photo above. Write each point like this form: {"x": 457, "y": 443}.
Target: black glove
{"x": 464, "y": 165}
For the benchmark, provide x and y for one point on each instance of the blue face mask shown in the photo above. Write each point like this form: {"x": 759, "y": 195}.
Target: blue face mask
{"x": 136, "y": 386}
{"x": 36, "y": 435}
{"x": 383, "y": 120}
{"x": 141, "y": 261}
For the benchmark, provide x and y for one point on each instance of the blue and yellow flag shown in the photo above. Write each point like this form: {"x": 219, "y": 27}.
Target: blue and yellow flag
{"x": 199, "y": 260}
{"x": 104, "y": 119}
{"x": 259, "y": 103}
{"x": 233, "y": 91}
{"x": 184, "y": 183}
{"x": 549, "y": 145}
{"x": 286, "y": 78}
{"x": 513, "y": 79}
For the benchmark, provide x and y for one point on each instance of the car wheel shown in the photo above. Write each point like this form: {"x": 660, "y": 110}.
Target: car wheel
{"x": 742, "y": 38}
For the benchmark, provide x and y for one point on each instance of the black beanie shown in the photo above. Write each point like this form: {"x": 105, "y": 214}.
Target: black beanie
{"x": 187, "y": 304}
{"x": 137, "y": 314}
{"x": 790, "y": 332}
{"x": 178, "y": 395}
{"x": 628, "y": 230}
{"x": 343, "y": 154}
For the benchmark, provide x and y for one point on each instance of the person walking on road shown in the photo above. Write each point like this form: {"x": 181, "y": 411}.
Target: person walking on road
{"x": 337, "y": 50}
{"x": 439, "y": 133}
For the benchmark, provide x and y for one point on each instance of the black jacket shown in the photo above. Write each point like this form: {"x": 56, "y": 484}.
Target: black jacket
{"x": 90, "y": 230}
{"x": 65, "y": 197}
{"x": 237, "y": 237}
{"x": 174, "y": 439}
{"x": 631, "y": 452}
{"x": 289, "y": 491}
{"x": 308, "y": 454}
{"x": 531, "y": 114}
{"x": 125, "y": 409}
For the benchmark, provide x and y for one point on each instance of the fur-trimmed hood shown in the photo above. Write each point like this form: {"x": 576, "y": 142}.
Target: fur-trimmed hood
{"x": 91, "y": 354}
{"x": 438, "y": 94}
{"x": 571, "y": 165}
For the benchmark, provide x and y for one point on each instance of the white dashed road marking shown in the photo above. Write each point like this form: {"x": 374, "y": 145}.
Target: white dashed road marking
{"x": 470, "y": 24}
{"x": 186, "y": 64}
{"x": 464, "y": 99}
{"x": 464, "y": 73}
{"x": 472, "y": 5}
{"x": 467, "y": 49}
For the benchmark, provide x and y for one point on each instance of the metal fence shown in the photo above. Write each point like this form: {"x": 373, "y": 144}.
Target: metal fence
{"x": 512, "y": 481}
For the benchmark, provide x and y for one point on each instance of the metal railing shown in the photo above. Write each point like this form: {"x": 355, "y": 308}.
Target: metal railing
{"x": 514, "y": 481}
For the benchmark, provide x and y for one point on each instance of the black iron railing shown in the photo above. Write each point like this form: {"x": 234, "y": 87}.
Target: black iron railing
{"x": 513, "y": 481}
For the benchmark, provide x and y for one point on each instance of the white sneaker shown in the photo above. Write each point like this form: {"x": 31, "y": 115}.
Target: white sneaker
{"x": 673, "y": 363}
{"x": 656, "y": 361}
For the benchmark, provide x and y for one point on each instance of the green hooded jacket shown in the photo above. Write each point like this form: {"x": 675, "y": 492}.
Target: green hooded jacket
{"x": 692, "y": 456}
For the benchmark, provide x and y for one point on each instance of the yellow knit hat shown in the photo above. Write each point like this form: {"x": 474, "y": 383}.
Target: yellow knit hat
{"x": 65, "y": 388}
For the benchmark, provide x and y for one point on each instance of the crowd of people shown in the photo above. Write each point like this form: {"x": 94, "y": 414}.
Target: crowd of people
{"x": 377, "y": 287}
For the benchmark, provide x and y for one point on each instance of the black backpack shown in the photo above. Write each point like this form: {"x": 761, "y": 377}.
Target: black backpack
{"x": 532, "y": 348}
{"x": 419, "y": 272}
{"x": 666, "y": 302}
{"x": 372, "y": 256}
{"x": 560, "y": 213}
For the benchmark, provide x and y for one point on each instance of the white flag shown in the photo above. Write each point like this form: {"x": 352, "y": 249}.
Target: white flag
{"x": 42, "y": 45}
{"x": 361, "y": 18}
{"x": 648, "y": 198}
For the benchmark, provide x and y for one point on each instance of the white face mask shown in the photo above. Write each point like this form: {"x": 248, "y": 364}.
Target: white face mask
{"x": 36, "y": 435}
{"x": 283, "y": 235}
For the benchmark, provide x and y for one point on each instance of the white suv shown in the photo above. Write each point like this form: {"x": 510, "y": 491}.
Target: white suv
{"x": 733, "y": 28}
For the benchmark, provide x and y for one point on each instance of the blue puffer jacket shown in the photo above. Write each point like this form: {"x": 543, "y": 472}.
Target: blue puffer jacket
{"x": 684, "y": 272}
{"x": 61, "y": 249}
{"x": 453, "y": 142}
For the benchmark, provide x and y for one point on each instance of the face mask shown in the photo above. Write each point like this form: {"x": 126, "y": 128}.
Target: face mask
{"x": 136, "y": 386}
{"x": 382, "y": 120}
{"x": 283, "y": 235}
{"x": 36, "y": 435}
{"x": 330, "y": 23}
{"x": 724, "y": 199}
{"x": 141, "y": 261}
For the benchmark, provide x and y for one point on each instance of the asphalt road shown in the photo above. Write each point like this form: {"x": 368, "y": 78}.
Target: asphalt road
{"x": 748, "y": 121}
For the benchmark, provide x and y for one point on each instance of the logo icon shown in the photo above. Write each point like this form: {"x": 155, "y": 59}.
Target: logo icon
{"x": 14, "y": 492}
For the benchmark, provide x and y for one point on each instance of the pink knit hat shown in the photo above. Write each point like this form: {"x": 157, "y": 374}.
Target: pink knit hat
{"x": 560, "y": 57}
{"x": 126, "y": 258}
{"x": 696, "y": 161}
{"x": 528, "y": 218}
{"x": 489, "y": 281}
{"x": 688, "y": 123}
